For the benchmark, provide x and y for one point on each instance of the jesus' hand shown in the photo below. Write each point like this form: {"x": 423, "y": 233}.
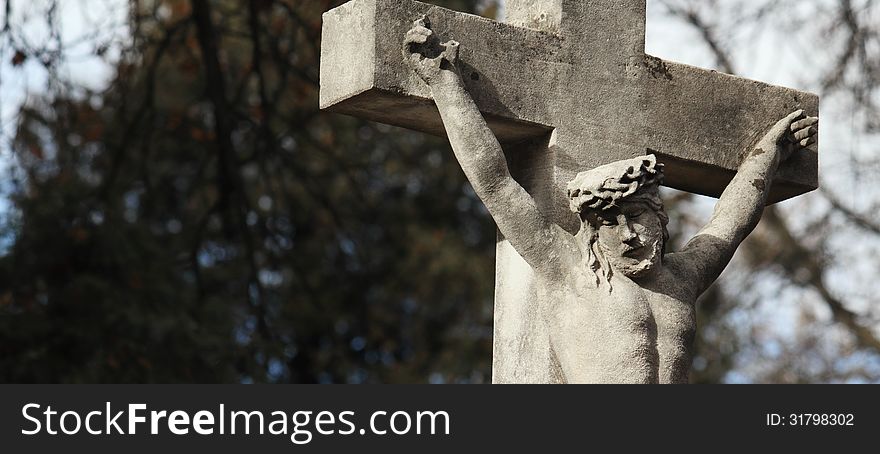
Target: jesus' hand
{"x": 432, "y": 61}
{"x": 790, "y": 134}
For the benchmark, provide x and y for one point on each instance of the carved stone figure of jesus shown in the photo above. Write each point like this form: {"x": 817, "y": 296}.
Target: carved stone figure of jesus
{"x": 618, "y": 307}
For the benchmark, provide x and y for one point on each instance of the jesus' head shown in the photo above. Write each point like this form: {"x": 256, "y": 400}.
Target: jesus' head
{"x": 623, "y": 225}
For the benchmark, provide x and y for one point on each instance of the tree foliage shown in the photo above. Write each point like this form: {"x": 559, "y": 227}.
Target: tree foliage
{"x": 201, "y": 221}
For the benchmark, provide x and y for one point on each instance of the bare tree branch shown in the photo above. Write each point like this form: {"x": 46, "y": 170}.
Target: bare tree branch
{"x": 856, "y": 218}
{"x": 692, "y": 17}
{"x": 233, "y": 197}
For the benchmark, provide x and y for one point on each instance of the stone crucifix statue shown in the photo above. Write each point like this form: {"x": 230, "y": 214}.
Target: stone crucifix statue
{"x": 617, "y": 307}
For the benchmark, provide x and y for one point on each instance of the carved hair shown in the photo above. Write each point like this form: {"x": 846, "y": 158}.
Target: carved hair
{"x": 603, "y": 187}
{"x": 607, "y": 187}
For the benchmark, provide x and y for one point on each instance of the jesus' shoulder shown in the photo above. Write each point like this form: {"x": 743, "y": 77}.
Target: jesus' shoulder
{"x": 697, "y": 266}
{"x": 548, "y": 248}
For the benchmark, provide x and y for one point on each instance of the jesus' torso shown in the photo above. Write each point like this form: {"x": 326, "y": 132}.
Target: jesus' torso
{"x": 642, "y": 330}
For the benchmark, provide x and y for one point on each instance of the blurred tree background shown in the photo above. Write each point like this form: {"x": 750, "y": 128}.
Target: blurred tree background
{"x": 197, "y": 219}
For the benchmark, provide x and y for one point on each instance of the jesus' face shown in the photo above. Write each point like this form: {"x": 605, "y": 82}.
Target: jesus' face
{"x": 631, "y": 237}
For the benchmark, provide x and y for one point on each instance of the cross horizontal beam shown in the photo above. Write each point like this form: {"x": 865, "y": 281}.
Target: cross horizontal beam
{"x": 698, "y": 122}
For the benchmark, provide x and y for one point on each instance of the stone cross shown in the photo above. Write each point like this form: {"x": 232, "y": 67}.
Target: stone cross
{"x": 565, "y": 85}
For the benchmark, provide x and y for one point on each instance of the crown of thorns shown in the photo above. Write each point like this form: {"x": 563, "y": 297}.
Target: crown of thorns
{"x": 606, "y": 186}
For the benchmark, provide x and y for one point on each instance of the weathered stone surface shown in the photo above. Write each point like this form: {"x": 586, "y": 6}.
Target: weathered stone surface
{"x": 565, "y": 89}
{"x": 365, "y": 75}
{"x": 543, "y": 15}
{"x": 697, "y": 120}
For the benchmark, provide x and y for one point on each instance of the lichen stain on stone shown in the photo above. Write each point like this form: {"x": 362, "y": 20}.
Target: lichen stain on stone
{"x": 657, "y": 68}
{"x": 758, "y": 183}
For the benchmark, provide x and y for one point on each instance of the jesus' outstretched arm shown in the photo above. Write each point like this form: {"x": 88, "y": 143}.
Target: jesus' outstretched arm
{"x": 742, "y": 202}
{"x": 479, "y": 153}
